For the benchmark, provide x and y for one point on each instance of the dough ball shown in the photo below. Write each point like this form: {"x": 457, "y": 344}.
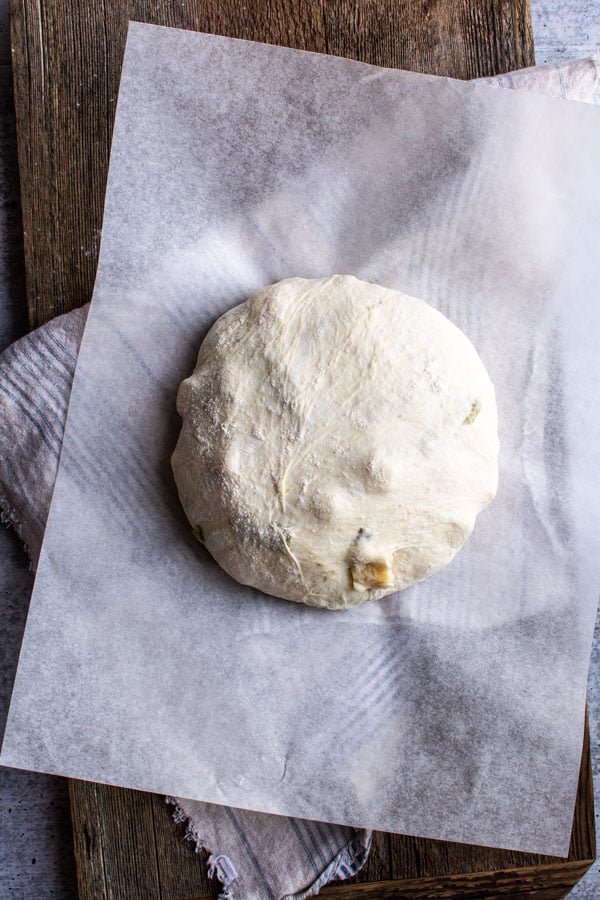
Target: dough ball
{"x": 339, "y": 439}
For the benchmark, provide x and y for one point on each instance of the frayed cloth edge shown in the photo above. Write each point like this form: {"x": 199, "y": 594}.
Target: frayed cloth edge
{"x": 193, "y": 835}
{"x": 351, "y": 856}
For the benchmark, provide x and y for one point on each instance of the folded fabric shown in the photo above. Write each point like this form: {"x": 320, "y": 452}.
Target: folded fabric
{"x": 255, "y": 856}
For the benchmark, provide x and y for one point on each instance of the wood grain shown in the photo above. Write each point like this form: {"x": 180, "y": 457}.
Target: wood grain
{"x": 67, "y": 59}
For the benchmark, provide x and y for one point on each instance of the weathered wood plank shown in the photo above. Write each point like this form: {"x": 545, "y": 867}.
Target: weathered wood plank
{"x": 67, "y": 59}
{"x": 379, "y": 866}
{"x": 108, "y": 858}
{"x": 457, "y": 38}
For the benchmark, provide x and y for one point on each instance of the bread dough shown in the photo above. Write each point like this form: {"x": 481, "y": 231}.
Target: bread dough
{"x": 339, "y": 439}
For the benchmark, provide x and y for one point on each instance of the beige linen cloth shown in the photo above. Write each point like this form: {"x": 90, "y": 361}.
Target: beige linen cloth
{"x": 254, "y": 855}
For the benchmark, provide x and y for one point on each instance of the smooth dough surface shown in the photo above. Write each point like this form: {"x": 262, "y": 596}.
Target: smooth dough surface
{"x": 339, "y": 439}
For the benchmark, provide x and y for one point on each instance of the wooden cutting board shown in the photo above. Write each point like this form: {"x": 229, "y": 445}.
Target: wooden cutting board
{"x": 66, "y": 61}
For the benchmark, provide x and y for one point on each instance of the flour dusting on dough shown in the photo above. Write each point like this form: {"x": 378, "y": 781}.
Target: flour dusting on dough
{"x": 339, "y": 439}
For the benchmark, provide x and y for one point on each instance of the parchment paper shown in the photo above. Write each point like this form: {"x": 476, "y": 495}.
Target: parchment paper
{"x": 453, "y": 710}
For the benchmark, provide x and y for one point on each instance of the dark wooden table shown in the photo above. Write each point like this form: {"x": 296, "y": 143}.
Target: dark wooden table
{"x": 66, "y": 61}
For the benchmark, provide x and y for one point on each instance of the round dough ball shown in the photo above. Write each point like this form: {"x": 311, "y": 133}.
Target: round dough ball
{"x": 339, "y": 439}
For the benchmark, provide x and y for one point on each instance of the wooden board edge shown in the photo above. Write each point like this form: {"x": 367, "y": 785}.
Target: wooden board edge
{"x": 507, "y": 883}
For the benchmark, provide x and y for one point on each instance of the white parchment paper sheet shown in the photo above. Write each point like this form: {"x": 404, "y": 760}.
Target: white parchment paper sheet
{"x": 454, "y": 710}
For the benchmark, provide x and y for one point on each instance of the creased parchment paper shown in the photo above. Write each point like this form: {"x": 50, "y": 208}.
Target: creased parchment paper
{"x": 454, "y": 710}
